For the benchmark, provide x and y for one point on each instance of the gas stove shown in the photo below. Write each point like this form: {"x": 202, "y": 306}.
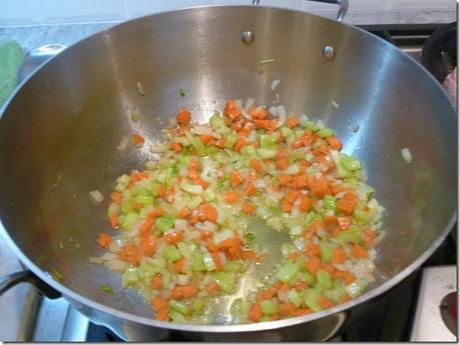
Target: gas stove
{"x": 421, "y": 308}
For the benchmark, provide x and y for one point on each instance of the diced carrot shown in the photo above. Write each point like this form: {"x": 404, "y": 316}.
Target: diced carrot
{"x": 252, "y": 176}
{"x": 330, "y": 220}
{"x": 337, "y": 188}
{"x": 217, "y": 261}
{"x": 359, "y": 252}
{"x": 240, "y": 143}
{"x": 322, "y": 148}
{"x": 185, "y": 212}
{"x": 297, "y": 143}
{"x": 282, "y": 163}
{"x": 284, "y": 179}
{"x": 336, "y": 231}
{"x": 292, "y": 122}
{"x": 232, "y": 110}
{"x": 161, "y": 308}
{"x": 136, "y": 205}
{"x": 345, "y": 298}
{"x": 138, "y": 139}
{"x": 207, "y": 212}
{"x": 334, "y": 143}
{"x": 248, "y": 255}
{"x": 183, "y": 292}
{"x": 116, "y": 197}
{"x": 300, "y": 181}
{"x": 313, "y": 250}
{"x": 259, "y": 113}
{"x": 179, "y": 265}
{"x": 232, "y": 246}
{"x": 256, "y": 164}
{"x": 114, "y": 220}
{"x": 286, "y": 207}
{"x": 155, "y": 213}
{"x": 176, "y": 147}
{"x": 292, "y": 196}
{"x": 267, "y": 294}
{"x": 156, "y": 282}
{"x": 305, "y": 203}
{"x": 248, "y": 208}
{"x": 328, "y": 268}
{"x": 183, "y": 116}
{"x": 148, "y": 245}
{"x": 274, "y": 317}
{"x": 250, "y": 190}
{"x": 231, "y": 197}
{"x": 324, "y": 302}
{"x": 207, "y": 139}
{"x": 292, "y": 256}
{"x": 313, "y": 265}
{"x": 104, "y": 240}
{"x": 338, "y": 256}
{"x": 220, "y": 143}
{"x": 235, "y": 178}
{"x": 131, "y": 254}
{"x": 255, "y": 312}
{"x": 344, "y": 222}
{"x": 202, "y": 183}
{"x": 346, "y": 276}
{"x": 302, "y": 311}
{"x": 286, "y": 309}
{"x": 213, "y": 288}
{"x": 318, "y": 185}
{"x": 348, "y": 203}
{"x": 300, "y": 285}
{"x": 269, "y": 125}
{"x": 368, "y": 236}
{"x": 146, "y": 227}
{"x": 312, "y": 230}
{"x": 173, "y": 237}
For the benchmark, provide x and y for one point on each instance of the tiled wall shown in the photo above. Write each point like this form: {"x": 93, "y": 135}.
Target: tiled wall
{"x": 32, "y": 12}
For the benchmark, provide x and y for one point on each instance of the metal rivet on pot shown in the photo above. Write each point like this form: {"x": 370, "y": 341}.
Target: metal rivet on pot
{"x": 247, "y": 37}
{"x": 328, "y": 52}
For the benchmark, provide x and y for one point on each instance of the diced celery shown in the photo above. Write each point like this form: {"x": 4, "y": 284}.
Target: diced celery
{"x": 270, "y": 306}
{"x": 329, "y": 202}
{"x": 145, "y": 200}
{"x": 350, "y": 235}
{"x": 350, "y": 163}
{"x": 311, "y": 126}
{"x": 216, "y": 121}
{"x": 179, "y": 306}
{"x": 184, "y": 249}
{"x": 126, "y": 206}
{"x": 184, "y": 159}
{"x": 129, "y": 277}
{"x": 326, "y": 251}
{"x": 356, "y": 288}
{"x": 172, "y": 253}
{"x": 324, "y": 278}
{"x": 198, "y": 145}
{"x": 209, "y": 195}
{"x": 128, "y": 220}
{"x": 286, "y": 131}
{"x": 198, "y": 263}
{"x": 335, "y": 294}
{"x": 230, "y": 140}
{"x": 264, "y": 318}
{"x": 249, "y": 151}
{"x": 191, "y": 188}
{"x": 164, "y": 223}
{"x": 195, "y": 201}
{"x": 266, "y": 154}
{"x": 226, "y": 281}
{"x": 325, "y": 132}
{"x": 268, "y": 141}
{"x": 235, "y": 266}
{"x": 299, "y": 262}
{"x": 140, "y": 191}
{"x": 240, "y": 307}
{"x": 311, "y": 297}
{"x": 288, "y": 271}
{"x": 155, "y": 187}
{"x": 175, "y": 316}
{"x": 298, "y": 132}
{"x": 362, "y": 216}
{"x": 294, "y": 298}
{"x": 306, "y": 277}
{"x": 209, "y": 262}
{"x": 198, "y": 306}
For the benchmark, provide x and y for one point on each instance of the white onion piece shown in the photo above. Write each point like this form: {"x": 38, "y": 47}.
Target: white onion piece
{"x": 140, "y": 88}
{"x": 274, "y": 84}
{"x": 273, "y": 111}
{"x": 96, "y": 196}
{"x": 406, "y": 154}
{"x": 250, "y": 102}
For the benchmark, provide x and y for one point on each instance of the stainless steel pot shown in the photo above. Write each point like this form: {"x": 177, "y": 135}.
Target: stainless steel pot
{"x": 59, "y": 132}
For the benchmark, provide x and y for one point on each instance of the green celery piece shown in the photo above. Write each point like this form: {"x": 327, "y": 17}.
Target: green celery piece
{"x": 172, "y": 253}
{"x": 349, "y": 163}
{"x": 179, "y": 306}
{"x": 350, "y": 235}
{"x": 226, "y": 281}
{"x": 311, "y": 126}
{"x": 287, "y": 272}
{"x": 129, "y": 220}
{"x": 326, "y": 251}
{"x": 198, "y": 306}
{"x": 325, "y": 132}
{"x": 11, "y": 57}
{"x": 198, "y": 263}
{"x": 216, "y": 121}
{"x": 294, "y": 298}
{"x": 270, "y": 306}
{"x": 175, "y": 316}
{"x": 329, "y": 202}
{"x": 230, "y": 140}
{"x": 324, "y": 278}
{"x": 164, "y": 223}
{"x": 307, "y": 277}
{"x": 235, "y": 266}
{"x": 145, "y": 200}
{"x": 311, "y": 299}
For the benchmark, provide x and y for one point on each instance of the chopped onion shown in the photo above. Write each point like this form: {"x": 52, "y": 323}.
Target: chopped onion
{"x": 180, "y": 224}
{"x": 96, "y": 196}
{"x": 203, "y": 130}
{"x": 274, "y": 84}
{"x": 273, "y": 111}
{"x": 406, "y": 154}
{"x": 182, "y": 279}
{"x": 123, "y": 143}
{"x": 250, "y": 102}
{"x": 158, "y": 148}
{"x": 223, "y": 235}
{"x": 281, "y": 115}
{"x": 335, "y": 104}
{"x": 140, "y": 88}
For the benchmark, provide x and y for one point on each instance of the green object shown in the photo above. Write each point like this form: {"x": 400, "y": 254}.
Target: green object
{"x": 324, "y": 278}
{"x": 179, "y": 306}
{"x": 351, "y": 235}
{"x": 311, "y": 298}
{"x": 226, "y": 281}
{"x": 106, "y": 289}
{"x": 270, "y": 306}
{"x": 164, "y": 223}
{"x": 11, "y": 57}
{"x": 172, "y": 253}
{"x": 287, "y": 272}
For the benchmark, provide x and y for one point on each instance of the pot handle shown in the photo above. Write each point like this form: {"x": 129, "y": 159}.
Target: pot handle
{"x": 27, "y": 276}
{"x": 343, "y": 6}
